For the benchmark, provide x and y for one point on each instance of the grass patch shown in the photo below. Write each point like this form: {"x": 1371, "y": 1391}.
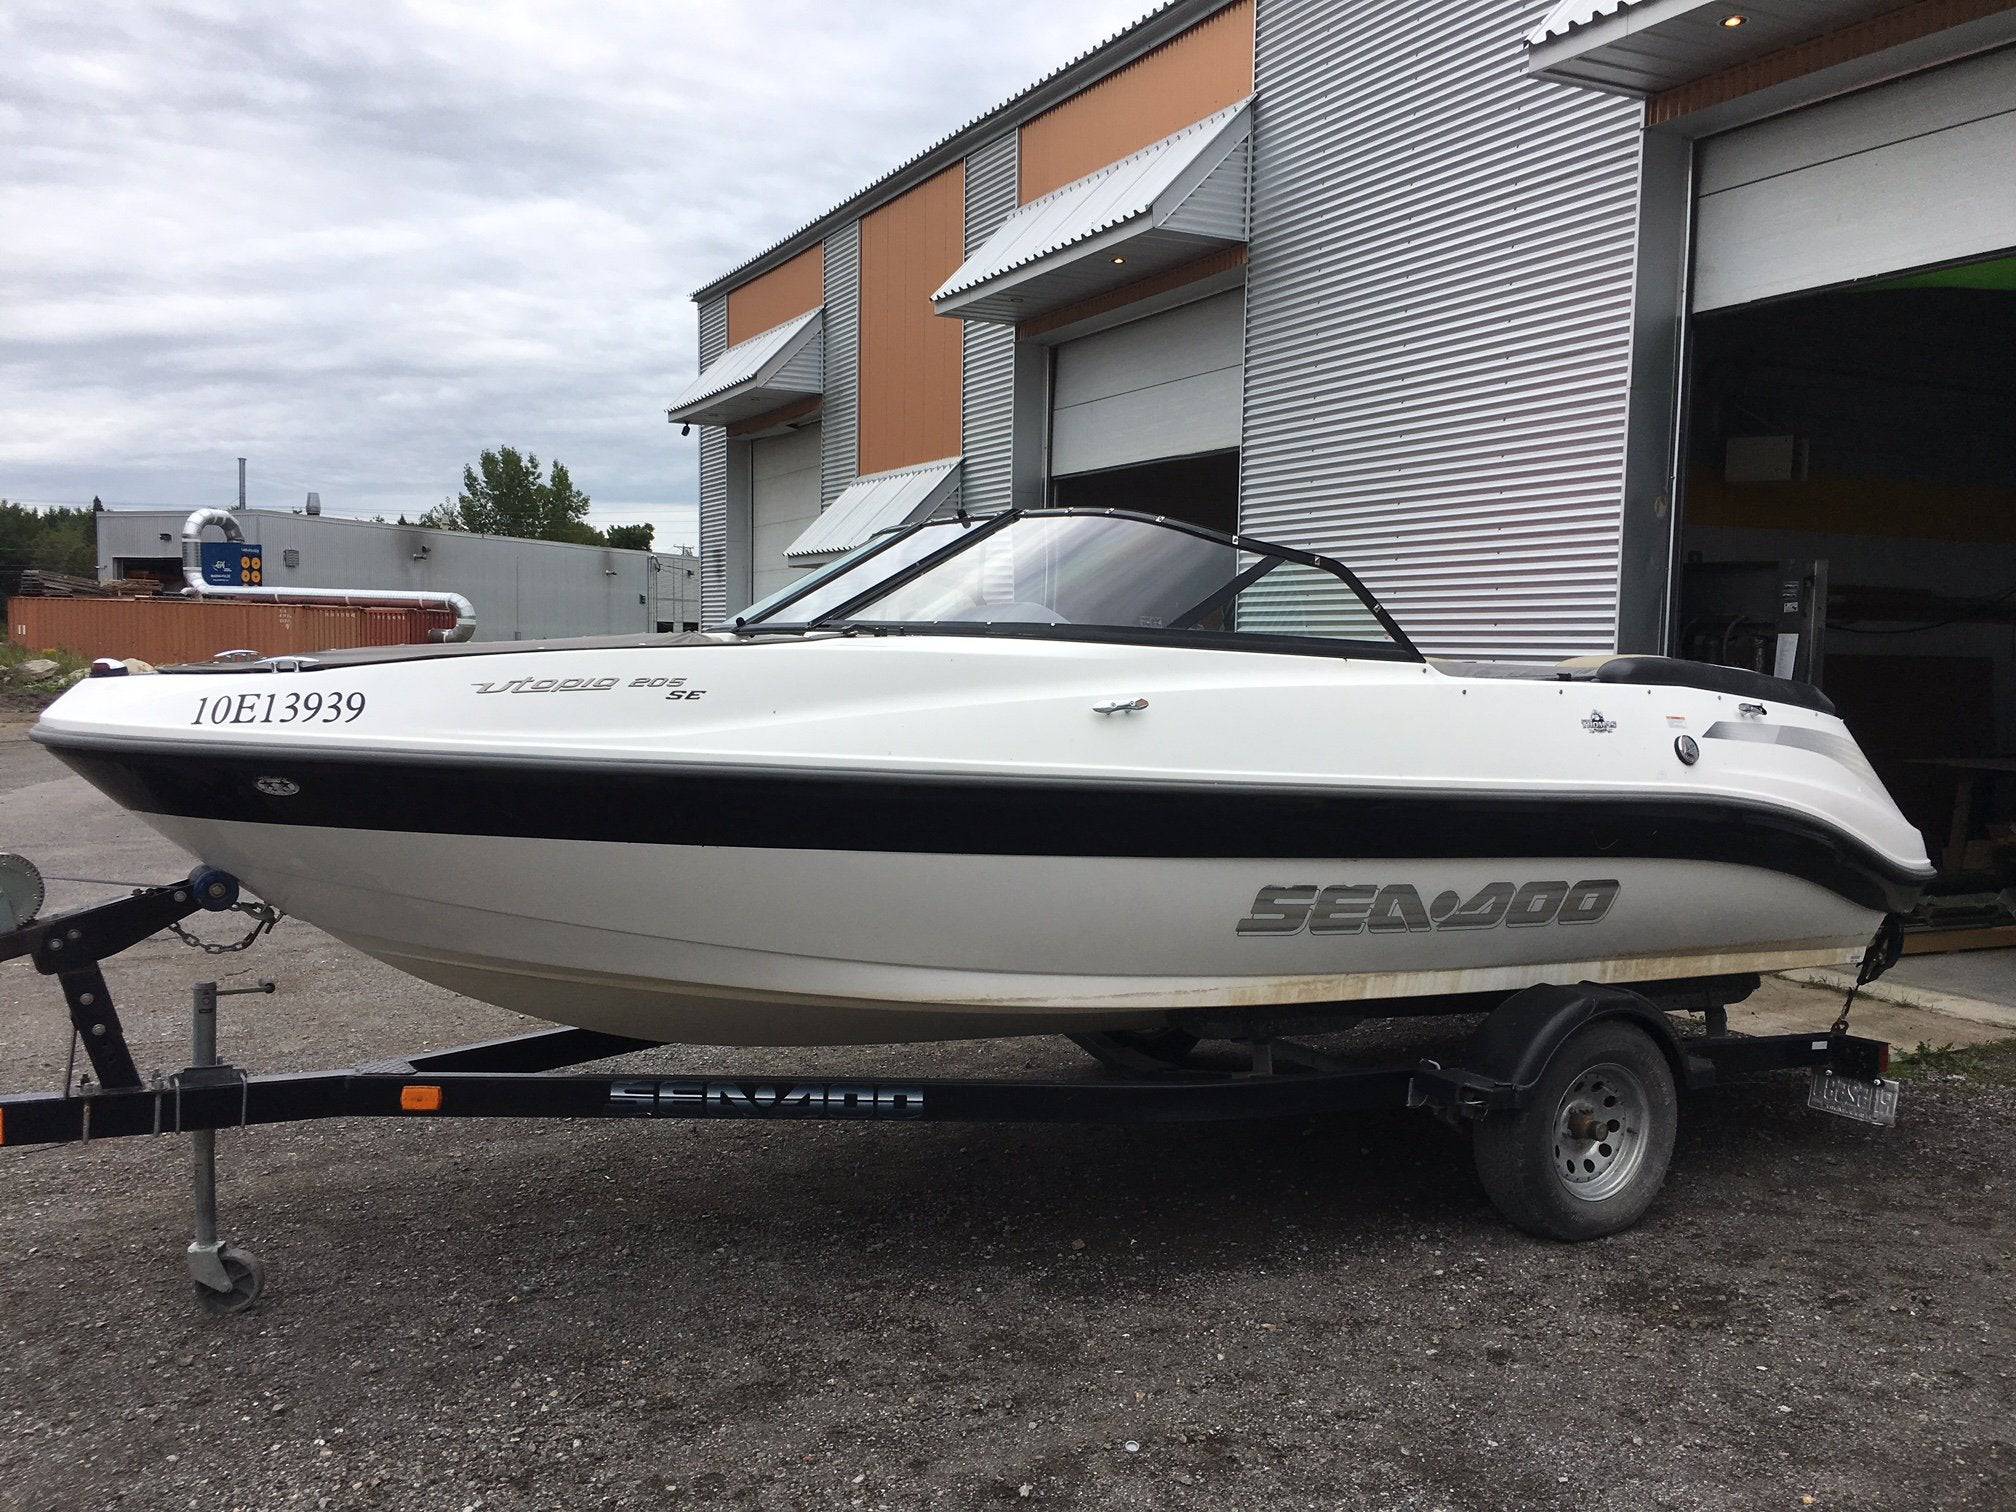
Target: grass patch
{"x": 1989, "y": 1065}
{"x": 11, "y": 656}
{"x": 19, "y": 698}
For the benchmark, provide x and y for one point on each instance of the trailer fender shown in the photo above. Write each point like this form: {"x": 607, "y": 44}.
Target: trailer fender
{"x": 1502, "y": 1062}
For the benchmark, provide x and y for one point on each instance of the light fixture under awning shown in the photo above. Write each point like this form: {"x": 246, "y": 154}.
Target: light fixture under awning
{"x": 1640, "y": 47}
{"x": 1178, "y": 200}
{"x": 780, "y": 366}
{"x": 868, "y": 505}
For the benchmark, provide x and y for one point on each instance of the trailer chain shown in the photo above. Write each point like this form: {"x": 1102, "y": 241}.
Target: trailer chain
{"x": 1882, "y": 953}
{"x": 264, "y": 915}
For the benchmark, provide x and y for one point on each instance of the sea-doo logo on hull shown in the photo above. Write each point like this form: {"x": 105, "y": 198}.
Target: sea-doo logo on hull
{"x": 735, "y": 1099}
{"x": 1349, "y": 908}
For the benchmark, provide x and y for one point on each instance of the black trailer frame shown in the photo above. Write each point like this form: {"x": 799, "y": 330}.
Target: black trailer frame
{"x": 1495, "y": 1072}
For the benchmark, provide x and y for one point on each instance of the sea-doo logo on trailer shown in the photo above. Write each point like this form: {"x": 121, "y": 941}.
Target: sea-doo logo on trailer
{"x": 1349, "y": 908}
{"x": 735, "y": 1099}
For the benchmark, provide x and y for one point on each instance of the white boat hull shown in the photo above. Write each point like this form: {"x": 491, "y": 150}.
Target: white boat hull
{"x": 850, "y": 839}
{"x": 719, "y": 946}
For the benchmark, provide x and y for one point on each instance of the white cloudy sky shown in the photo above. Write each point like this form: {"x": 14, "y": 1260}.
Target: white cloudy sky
{"x": 357, "y": 243}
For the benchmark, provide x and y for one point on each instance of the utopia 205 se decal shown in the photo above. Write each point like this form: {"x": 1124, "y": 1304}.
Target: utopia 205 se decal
{"x": 1396, "y": 908}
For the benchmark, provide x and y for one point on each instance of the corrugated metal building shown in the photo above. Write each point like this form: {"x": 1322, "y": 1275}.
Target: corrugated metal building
{"x": 522, "y": 589}
{"x": 1411, "y": 284}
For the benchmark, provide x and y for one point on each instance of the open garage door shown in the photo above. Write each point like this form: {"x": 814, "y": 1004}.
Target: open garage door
{"x": 784, "y": 499}
{"x": 1902, "y": 176}
{"x": 1163, "y": 386}
{"x": 1146, "y": 415}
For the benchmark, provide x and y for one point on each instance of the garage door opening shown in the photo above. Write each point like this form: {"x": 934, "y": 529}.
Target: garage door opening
{"x": 1850, "y": 519}
{"x": 1196, "y": 490}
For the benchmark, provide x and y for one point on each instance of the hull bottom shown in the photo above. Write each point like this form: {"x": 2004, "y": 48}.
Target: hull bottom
{"x": 763, "y": 946}
{"x": 700, "y": 1014}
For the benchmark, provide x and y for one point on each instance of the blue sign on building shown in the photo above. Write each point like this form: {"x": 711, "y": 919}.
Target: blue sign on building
{"x": 232, "y": 564}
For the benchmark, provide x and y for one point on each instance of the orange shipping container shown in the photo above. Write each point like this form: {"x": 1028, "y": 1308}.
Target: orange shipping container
{"x": 165, "y": 631}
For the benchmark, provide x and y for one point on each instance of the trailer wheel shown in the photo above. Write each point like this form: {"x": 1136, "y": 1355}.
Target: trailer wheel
{"x": 1586, "y": 1156}
{"x": 248, "y": 1280}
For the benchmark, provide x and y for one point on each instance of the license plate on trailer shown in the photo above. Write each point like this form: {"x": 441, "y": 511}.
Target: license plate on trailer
{"x": 1870, "y": 1102}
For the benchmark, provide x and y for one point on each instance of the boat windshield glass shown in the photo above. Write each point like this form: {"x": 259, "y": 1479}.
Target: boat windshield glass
{"x": 852, "y": 575}
{"x": 1110, "y": 572}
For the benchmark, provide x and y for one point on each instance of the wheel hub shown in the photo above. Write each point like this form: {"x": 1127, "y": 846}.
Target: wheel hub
{"x": 1599, "y": 1131}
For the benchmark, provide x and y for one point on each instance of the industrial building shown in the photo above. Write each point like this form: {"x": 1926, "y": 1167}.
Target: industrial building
{"x": 1662, "y": 325}
{"x": 522, "y": 589}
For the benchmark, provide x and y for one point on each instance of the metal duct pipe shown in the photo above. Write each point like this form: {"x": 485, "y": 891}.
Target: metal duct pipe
{"x": 388, "y": 598}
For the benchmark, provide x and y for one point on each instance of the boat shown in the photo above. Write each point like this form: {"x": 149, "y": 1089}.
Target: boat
{"x": 1045, "y": 770}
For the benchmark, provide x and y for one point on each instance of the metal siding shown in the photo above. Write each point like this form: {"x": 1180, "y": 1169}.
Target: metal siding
{"x": 1216, "y": 207}
{"x": 838, "y": 437}
{"x": 1438, "y": 320}
{"x": 784, "y": 363}
{"x": 1168, "y": 204}
{"x": 713, "y": 477}
{"x": 521, "y": 589}
{"x": 987, "y": 405}
{"x": 1125, "y": 190}
{"x": 166, "y": 632}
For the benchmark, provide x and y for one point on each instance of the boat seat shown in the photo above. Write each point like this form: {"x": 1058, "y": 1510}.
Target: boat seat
{"x": 1655, "y": 671}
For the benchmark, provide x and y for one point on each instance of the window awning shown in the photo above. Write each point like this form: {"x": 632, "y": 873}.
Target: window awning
{"x": 782, "y": 365}
{"x": 1168, "y": 204}
{"x": 1640, "y": 47}
{"x": 868, "y": 505}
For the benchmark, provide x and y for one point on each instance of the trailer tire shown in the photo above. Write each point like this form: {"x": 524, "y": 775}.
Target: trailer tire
{"x": 1588, "y": 1152}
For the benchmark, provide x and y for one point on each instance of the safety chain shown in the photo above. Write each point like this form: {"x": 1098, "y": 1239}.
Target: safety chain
{"x": 1881, "y": 955}
{"x": 265, "y": 916}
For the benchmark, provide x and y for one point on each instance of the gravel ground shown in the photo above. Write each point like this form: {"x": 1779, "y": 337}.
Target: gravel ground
{"x": 1299, "y": 1314}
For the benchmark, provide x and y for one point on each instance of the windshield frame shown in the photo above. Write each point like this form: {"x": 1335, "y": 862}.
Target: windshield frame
{"x": 840, "y": 618}
{"x": 869, "y": 549}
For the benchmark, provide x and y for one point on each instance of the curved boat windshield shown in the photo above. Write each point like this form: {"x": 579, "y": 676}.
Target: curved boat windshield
{"x": 816, "y": 595}
{"x": 1052, "y": 571}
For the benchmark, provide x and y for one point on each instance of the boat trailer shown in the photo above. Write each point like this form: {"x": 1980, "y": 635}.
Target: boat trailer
{"x": 1501, "y": 1076}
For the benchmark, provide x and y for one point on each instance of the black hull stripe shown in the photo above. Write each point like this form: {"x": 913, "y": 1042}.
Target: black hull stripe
{"x": 824, "y": 811}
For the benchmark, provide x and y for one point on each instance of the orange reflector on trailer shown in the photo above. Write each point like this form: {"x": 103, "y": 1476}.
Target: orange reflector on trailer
{"x": 420, "y": 1099}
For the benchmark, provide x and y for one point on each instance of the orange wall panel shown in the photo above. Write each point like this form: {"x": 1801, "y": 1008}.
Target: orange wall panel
{"x": 789, "y": 289}
{"x": 165, "y": 631}
{"x": 1206, "y": 68}
{"x": 909, "y": 382}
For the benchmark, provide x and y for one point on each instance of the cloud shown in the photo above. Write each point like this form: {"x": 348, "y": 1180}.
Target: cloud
{"x": 358, "y": 244}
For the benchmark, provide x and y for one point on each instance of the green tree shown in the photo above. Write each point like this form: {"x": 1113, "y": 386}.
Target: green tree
{"x": 510, "y": 494}
{"x": 629, "y": 537}
{"x": 56, "y": 540}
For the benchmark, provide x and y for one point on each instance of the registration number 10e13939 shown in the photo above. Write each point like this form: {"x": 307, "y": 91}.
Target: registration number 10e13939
{"x": 279, "y": 708}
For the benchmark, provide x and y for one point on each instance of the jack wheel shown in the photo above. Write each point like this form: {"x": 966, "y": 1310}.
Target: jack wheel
{"x": 248, "y": 1280}
{"x": 1586, "y": 1156}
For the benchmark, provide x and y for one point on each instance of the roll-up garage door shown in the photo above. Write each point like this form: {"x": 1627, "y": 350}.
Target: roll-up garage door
{"x": 1166, "y": 385}
{"x": 1900, "y": 176}
{"x": 784, "y": 499}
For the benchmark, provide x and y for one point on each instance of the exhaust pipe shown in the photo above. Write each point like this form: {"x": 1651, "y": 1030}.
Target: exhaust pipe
{"x": 389, "y": 598}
